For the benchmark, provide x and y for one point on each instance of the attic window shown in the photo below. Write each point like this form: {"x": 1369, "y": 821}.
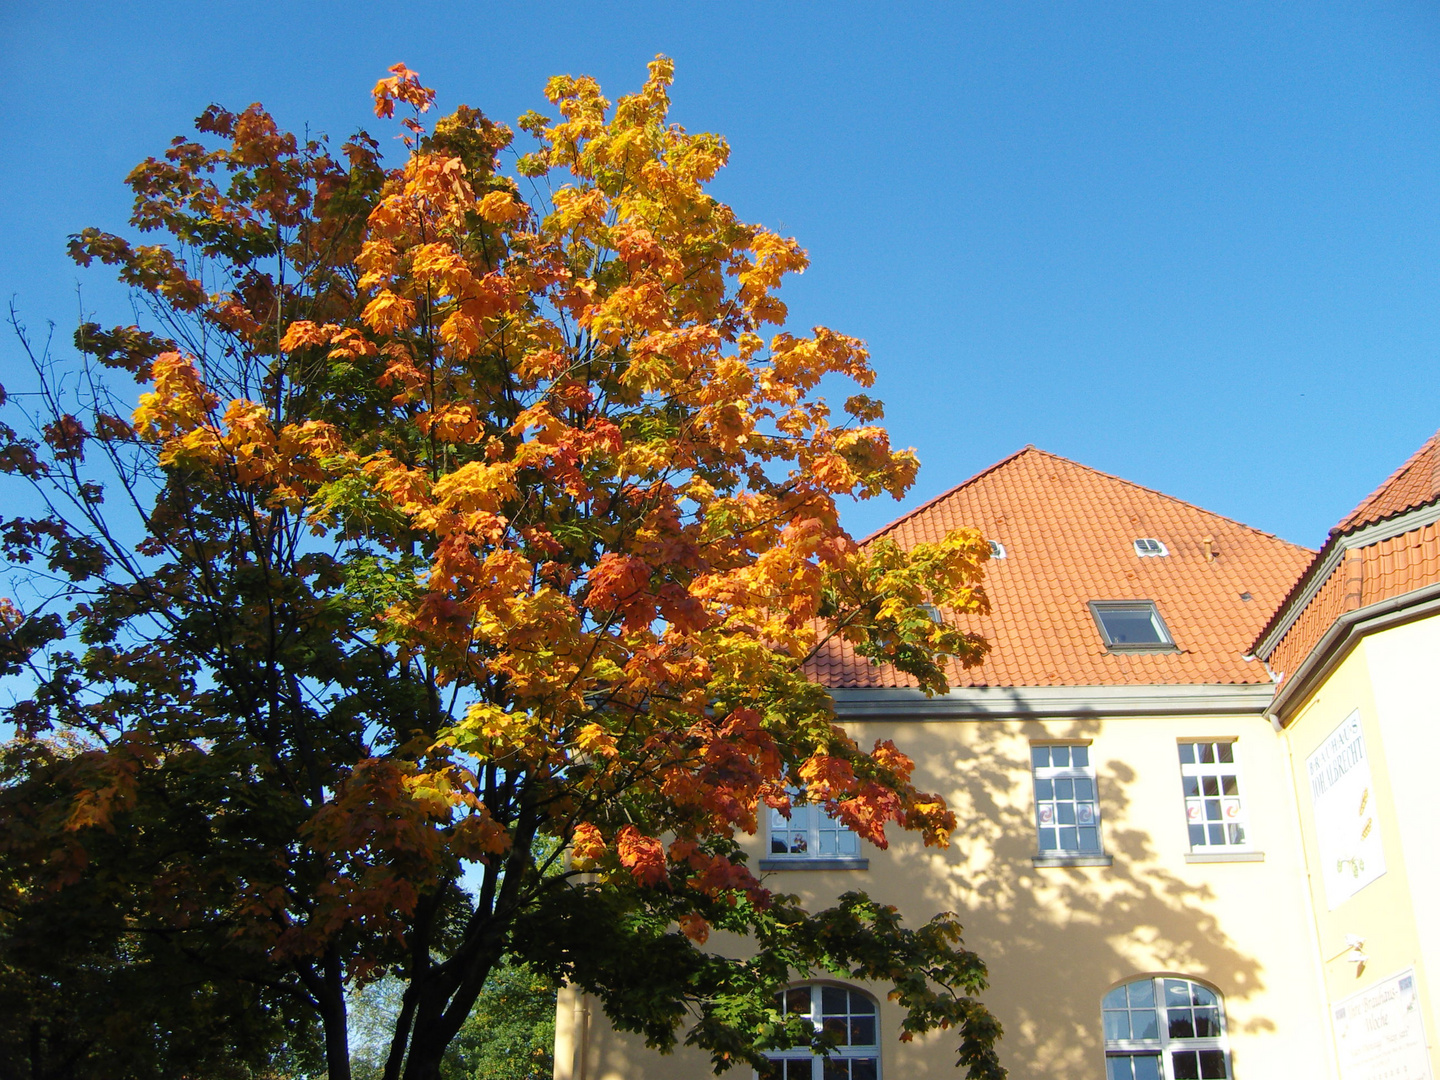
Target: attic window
{"x": 997, "y": 550}
{"x": 1149, "y": 547}
{"x": 1131, "y": 625}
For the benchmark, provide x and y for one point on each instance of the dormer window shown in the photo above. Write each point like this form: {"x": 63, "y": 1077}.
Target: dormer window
{"x": 1147, "y": 547}
{"x": 997, "y": 550}
{"x": 1131, "y": 626}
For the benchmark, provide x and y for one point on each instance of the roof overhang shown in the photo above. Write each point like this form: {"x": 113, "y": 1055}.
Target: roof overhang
{"x": 1003, "y": 702}
{"x": 1344, "y": 634}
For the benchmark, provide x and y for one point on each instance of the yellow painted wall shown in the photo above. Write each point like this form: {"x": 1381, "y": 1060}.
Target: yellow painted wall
{"x": 1057, "y": 938}
{"x": 1392, "y": 678}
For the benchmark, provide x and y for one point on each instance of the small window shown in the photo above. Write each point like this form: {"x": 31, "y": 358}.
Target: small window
{"x": 1213, "y": 810}
{"x": 1067, "y": 811}
{"x": 1164, "y": 1029}
{"x": 997, "y": 550}
{"x": 850, "y": 1017}
{"x": 1131, "y": 625}
{"x": 1147, "y": 547}
{"x": 811, "y": 833}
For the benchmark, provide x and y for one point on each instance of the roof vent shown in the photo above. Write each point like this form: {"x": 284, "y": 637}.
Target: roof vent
{"x": 997, "y": 550}
{"x": 1147, "y": 547}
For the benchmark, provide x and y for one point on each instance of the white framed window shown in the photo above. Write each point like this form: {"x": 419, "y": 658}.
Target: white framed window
{"x": 1210, "y": 779}
{"x": 811, "y": 833}
{"x": 1164, "y": 1028}
{"x": 1067, "y": 806}
{"x": 997, "y": 550}
{"x": 1147, "y": 547}
{"x": 850, "y": 1017}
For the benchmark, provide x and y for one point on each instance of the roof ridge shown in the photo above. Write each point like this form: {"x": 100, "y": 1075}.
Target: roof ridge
{"x": 1027, "y": 448}
{"x": 1032, "y": 448}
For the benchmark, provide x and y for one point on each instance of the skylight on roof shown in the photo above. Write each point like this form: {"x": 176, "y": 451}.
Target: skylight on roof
{"x": 1131, "y": 625}
{"x": 1149, "y": 547}
{"x": 997, "y": 550}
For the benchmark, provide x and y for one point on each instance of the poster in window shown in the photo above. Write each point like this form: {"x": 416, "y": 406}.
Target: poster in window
{"x": 1346, "y": 828}
{"x": 1380, "y": 1034}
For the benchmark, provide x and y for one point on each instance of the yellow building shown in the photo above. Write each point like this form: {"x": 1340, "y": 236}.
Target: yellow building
{"x": 1176, "y": 860}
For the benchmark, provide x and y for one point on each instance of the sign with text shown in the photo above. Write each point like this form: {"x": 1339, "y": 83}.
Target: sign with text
{"x": 1346, "y": 829}
{"x": 1380, "y": 1034}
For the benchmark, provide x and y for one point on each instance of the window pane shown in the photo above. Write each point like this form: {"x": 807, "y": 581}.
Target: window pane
{"x": 1090, "y": 840}
{"x": 1192, "y": 786}
{"x": 1064, "y": 789}
{"x": 1060, "y": 757}
{"x": 833, "y": 1001}
{"x": 1069, "y": 841}
{"x": 1212, "y": 1065}
{"x": 1144, "y": 1024}
{"x": 1118, "y": 1067}
{"x": 798, "y": 1000}
{"x": 1187, "y": 753}
{"x": 1182, "y": 1025}
{"x": 1047, "y": 839}
{"x": 1040, "y": 756}
{"x": 1066, "y": 813}
{"x": 1080, "y": 756}
{"x": 859, "y": 1003}
{"x": 778, "y": 846}
{"x": 1207, "y": 1024}
{"x": 1044, "y": 789}
{"x": 1197, "y": 835}
{"x": 862, "y": 1031}
{"x": 1212, "y": 785}
{"x": 1229, "y": 786}
{"x": 1115, "y": 999}
{"x": 1084, "y": 788}
{"x": 1148, "y": 1067}
{"x": 1237, "y": 834}
{"x": 1142, "y": 994}
{"x": 1187, "y": 1065}
{"x": 1086, "y": 813}
{"x": 864, "y": 1069}
{"x": 839, "y": 1069}
{"x": 1227, "y": 752}
{"x": 1131, "y": 626}
{"x": 1117, "y": 1025}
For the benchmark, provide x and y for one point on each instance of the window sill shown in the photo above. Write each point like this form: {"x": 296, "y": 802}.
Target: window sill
{"x": 1224, "y": 856}
{"x": 815, "y": 864}
{"x": 1072, "y": 860}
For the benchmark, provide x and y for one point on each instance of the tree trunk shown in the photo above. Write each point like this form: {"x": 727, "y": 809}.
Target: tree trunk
{"x": 333, "y": 1015}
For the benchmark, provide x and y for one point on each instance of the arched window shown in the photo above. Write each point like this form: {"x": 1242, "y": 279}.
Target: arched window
{"x": 848, "y": 1015}
{"x": 1164, "y": 1029}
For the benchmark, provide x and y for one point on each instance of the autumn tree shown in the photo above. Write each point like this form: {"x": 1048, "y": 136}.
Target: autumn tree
{"x": 442, "y": 591}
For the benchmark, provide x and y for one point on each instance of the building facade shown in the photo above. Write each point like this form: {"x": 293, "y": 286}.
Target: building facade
{"x": 1156, "y": 854}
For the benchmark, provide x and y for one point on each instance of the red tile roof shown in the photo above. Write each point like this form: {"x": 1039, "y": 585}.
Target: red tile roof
{"x": 1069, "y": 535}
{"x": 1416, "y": 483}
{"x": 1379, "y": 571}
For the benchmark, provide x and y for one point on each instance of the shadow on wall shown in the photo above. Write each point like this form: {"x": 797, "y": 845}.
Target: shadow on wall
{"x": 1055, "y": 939}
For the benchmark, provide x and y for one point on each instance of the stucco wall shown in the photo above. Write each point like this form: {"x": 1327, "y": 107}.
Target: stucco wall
{"x": 1057, "y": 938}
{"x": 1392, "y": 678}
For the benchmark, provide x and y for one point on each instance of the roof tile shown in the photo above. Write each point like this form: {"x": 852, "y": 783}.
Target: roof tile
{"x": 1069, "y": 532}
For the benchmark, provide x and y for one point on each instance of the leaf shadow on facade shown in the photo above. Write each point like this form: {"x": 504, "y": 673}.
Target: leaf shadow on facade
{"x": 1054, "y": 938}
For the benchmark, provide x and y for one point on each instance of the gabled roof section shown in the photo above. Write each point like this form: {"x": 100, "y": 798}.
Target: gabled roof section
{"x": 1069, "y": 533}
{"x": 1414, "y": 484}
{"x": 1327, "y": 590}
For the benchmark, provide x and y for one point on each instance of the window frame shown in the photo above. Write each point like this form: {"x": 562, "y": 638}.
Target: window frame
{"x": 997, "y": 550}
{"x": 848, "y": 1052}
{"x": 1162, "y": 550}
{"x": 813, "y": 815}
{"x": 1165, "y": 1045}
{"x": 1055, "y": 774}
{"x": 1199, "y": 770}
{"x": 1098, "y": 608}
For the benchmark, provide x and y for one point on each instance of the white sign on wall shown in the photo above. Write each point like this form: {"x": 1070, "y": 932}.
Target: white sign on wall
{"x": 1380, "y": 1034}
{"x": 1346, "y": 829}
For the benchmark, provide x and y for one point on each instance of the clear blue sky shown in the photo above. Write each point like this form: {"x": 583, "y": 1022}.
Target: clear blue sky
{"x": 1194, "y": 244}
